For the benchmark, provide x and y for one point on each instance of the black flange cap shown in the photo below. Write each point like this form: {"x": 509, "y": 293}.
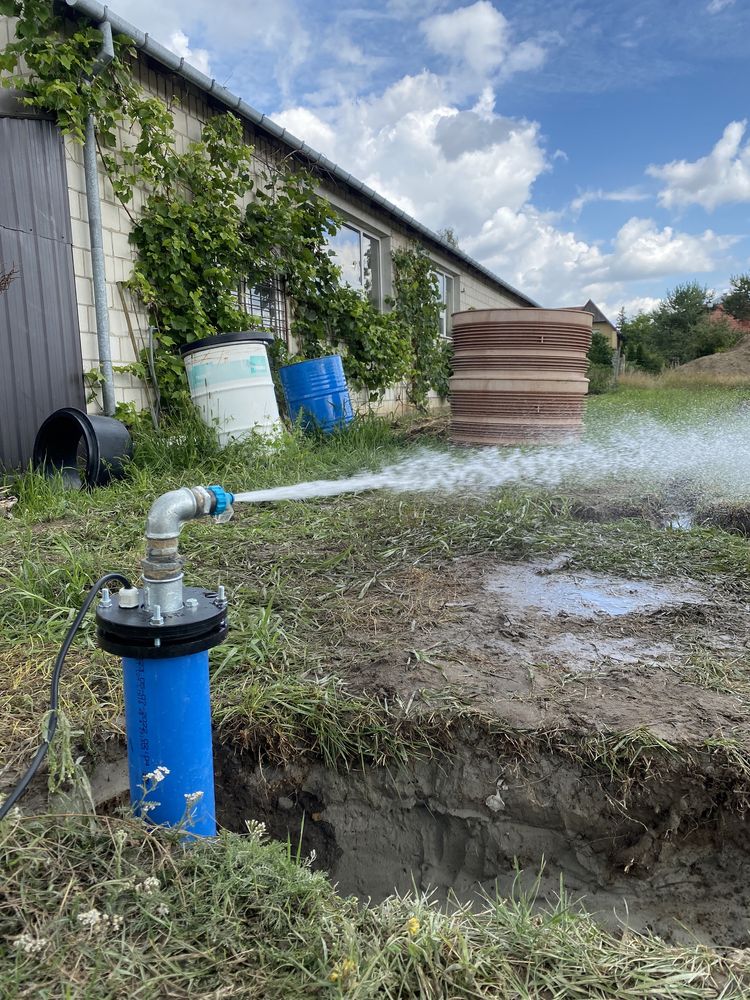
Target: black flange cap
{"x": 194, "y": 628}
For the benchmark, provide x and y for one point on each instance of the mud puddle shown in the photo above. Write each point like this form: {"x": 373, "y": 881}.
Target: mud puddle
{"x": 543, "y": 590}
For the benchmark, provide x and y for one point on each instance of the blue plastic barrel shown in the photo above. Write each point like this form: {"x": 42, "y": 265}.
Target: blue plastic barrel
{"x": 317, "y": 394}
{"x": 168, "y": 722}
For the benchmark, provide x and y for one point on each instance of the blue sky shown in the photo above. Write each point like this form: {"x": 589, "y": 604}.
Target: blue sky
{"x": 577, "y": 148}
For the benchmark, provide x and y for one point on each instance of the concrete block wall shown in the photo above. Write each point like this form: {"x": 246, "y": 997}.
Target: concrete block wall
{"x": 474, "y": 293}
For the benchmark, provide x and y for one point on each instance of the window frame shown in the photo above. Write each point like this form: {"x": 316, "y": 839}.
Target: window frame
{"x": 246, "y": 302}
{"x": 365, "y": 232}
{"x": 450, "y": 302}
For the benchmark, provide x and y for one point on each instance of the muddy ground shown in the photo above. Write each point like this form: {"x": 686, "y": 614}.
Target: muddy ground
{"x": 560, "y": 655}
{"x": 596, "y": 730}
{"x": 540, "y": 646}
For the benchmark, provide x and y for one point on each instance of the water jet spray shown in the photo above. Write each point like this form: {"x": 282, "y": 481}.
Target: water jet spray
{"x": 163, "y": 632}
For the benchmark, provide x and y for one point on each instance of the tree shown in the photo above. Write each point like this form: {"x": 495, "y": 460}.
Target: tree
{"x": 736, "y": 302}
{"x": 600, "y": 353}
{"x": 679, "y": 322}
{"x": 600, "y": 373}
{"x": 449, "y": 236}
{"x": 637, "y": 339}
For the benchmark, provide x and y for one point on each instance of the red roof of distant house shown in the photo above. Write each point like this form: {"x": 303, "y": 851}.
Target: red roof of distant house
{"x": 719, "y": 313}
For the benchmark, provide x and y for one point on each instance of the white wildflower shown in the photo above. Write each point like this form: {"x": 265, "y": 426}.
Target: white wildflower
{"x": 162, "y": 910}
{"x": 30, "y": 945}
{"x": 120, "y": 837}
{"x": 256, "y": 830}
{"x": 147, "y": 807}
{"x": 191, "y": 798}
{"x": 96, "y": 921}
{"x": 92, "y": 919}
{"x": 157, "y": 775}
{"x": 148, "y": 886}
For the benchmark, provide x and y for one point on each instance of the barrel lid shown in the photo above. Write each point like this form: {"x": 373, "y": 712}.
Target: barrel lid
{"x": 222, "y": 339}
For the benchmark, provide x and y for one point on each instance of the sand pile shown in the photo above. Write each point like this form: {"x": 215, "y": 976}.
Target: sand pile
{"x": 734, "y": 362}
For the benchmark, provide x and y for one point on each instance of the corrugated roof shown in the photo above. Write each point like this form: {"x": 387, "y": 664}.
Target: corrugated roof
{"x": 143, "y": 41}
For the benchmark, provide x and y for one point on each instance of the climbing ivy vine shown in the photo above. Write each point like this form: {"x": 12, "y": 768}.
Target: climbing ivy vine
{"x": 211, "y": 220}
{"x": 418, "y": 307}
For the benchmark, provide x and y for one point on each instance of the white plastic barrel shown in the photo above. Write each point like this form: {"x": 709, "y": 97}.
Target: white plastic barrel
{"x": 230, "y": 383}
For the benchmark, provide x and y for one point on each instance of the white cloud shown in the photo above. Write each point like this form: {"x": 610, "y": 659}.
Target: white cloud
{"x": 474, "y": 171}
{"x": 720, "y": 178}
{"x": 641, "y": 250}
{"x": 179, "y": 43}
{"x": 558, "y": 268}
{"x": 639, "y": 304}
{"x": 446, "y": 166}
{"x": 479, "y": 38}
{"x": 623, "y": 195}
{"x": 253, "y": 30}
{"x": 716, "y": 6}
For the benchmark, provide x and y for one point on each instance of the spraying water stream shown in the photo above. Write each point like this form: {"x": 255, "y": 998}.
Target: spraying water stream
{"x": 712, "y": 457}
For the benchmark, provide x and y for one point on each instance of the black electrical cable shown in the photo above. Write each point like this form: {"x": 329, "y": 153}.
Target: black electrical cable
{"x": 41, "y": 753}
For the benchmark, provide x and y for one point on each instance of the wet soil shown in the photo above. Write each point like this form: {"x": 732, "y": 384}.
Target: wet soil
{"x": 540, "y": 646}
{"x": 545, "y": 655}
{"x": 542, "y": 650}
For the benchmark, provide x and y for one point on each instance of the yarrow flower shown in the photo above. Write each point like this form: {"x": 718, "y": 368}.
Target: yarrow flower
{"x": 310, "y": 859}
{"x": 30, "y": 945}
{"x": 96, "y": 921}
{"x": 158, "y": 774}
{"x": 192, "y": 797}
{"x": 148, "y": 886}
{"x": 256, "y": 830}
{"x": 162, "y": 910}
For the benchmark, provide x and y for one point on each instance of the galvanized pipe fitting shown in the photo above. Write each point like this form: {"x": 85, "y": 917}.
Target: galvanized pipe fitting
{"x": 162, "y": 567}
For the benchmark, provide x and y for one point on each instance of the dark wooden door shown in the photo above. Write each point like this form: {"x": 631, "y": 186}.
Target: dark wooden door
{"x": 40, "y": 346}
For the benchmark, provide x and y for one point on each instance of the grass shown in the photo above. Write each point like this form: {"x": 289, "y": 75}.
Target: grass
{"x": 305, "y": 580}
{"x": 676, "y": 379}
{"x": 669, "y": 398}
{"x": 313, "y": 586}
{"x": 101, "y": 909}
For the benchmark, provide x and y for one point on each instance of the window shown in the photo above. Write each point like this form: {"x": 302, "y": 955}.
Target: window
{"x": 445, "y": 294}
{"x": 266, "y": 303}
{"x": 358, "y": 255}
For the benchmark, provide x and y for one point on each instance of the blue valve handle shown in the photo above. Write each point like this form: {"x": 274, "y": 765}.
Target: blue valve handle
{"x": 224, "y": 499}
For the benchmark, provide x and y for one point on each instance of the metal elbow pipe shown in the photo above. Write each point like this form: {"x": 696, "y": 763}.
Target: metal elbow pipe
{"x": 172, "y": 510}
{"x": 162, "y": 567}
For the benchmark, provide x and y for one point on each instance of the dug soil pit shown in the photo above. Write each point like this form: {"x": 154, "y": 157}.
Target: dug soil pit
{"x": 581, "y": 745}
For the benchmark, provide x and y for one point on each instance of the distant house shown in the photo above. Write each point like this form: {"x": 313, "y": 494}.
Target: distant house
{"x": 602, "y": 324}
{"x": 719, "y": 314}
{"x": 48, "y": 317}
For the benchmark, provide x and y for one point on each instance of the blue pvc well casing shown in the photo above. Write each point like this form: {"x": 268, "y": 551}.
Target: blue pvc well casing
{"x": 168, "y": 724}
{"x": 316, "y": 392}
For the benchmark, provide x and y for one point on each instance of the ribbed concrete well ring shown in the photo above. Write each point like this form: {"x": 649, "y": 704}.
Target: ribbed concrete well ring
{"x": 519, "y": 375}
